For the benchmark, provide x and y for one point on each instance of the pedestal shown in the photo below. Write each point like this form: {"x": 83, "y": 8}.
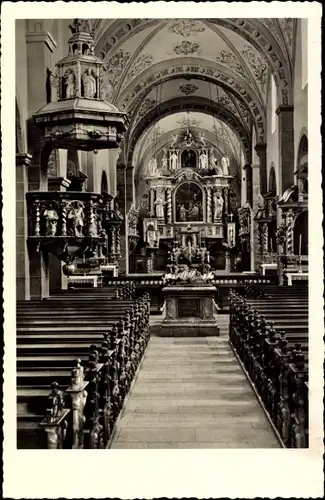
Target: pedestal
{"x": 190, "y": 311}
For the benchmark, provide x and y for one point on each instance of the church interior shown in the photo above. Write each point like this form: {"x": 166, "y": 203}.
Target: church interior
{"x": 162, "y": 233}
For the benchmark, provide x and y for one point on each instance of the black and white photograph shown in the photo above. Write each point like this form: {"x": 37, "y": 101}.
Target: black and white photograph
{"x": 163, "y": 232}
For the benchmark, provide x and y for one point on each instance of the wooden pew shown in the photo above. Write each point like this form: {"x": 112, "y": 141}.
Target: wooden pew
{"x": 38, "y": 363}
{"x": 273, "y": 348}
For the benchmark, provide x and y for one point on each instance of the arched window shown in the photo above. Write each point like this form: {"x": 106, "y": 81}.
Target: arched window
{"x": 104, "y": 184}
{"x": 274, "y": 104}
{"x": 304, "y": 52}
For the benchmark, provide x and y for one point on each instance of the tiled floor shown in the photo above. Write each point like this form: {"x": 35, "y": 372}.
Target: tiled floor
{"x": 192, "y": 393}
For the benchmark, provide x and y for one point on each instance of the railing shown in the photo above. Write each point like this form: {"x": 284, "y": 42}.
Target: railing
{"x": 83, "y": 416}
{"x": 278, "y": 369}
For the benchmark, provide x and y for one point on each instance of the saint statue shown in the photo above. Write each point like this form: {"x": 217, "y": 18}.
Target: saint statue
{"x": 195, "y": 212}
{"x": 174, "y": 161}
{"x": 76, "y": 214}
{"x": 182, "y": 213}
{"x": 160, "y": 207}
{"x": 152, "y": 167}
{"x": 70, "y": 85}
{"x": 203, "y": 160}
{"x": 89, "y": 84}
{"x": 164, "y": 164}
{"x": 174, "y": 141}
{"x": 151, "y": 236}
{"x": 225, "y": 165}
{"x": 51, "y": 217}
{"x": 218, "y": 205}
{"x": 202, "y": 138}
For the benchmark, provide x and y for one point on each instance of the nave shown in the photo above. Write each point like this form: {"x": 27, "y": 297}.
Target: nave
{"x": 130, "y": 387}
{"x": 192, "y": 393}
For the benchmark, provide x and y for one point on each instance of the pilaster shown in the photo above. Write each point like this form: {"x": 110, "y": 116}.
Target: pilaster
{"x": 22, "y": 268}
{"x": 286, "y": 146}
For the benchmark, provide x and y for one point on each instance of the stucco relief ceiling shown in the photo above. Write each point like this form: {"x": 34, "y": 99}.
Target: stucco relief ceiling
{"x": 151, "y": 62}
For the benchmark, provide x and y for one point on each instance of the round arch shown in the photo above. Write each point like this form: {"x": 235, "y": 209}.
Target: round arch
{"x": 190, "y": 104}
{"x": 208, "y": 71}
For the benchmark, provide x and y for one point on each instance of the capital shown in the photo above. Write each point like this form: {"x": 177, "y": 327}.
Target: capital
{"x": 284, "y": 108}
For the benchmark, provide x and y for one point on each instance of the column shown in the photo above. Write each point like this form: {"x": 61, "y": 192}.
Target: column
{"x": 209, "y": 205}
{"x": 261, "y": 153}
{"x": 130, "y": 187}
{"x": 22, "y": 267}
{"x": 255, "y": 185}
{"x": 290, "y": 224}
{"x": 286, "y": 146}
{"x": 264, "y": 239}
{"x": 169, "y": 206}
{"x": 40, "y": 46}
{"x": 152, "y": 202}
{"x": 249, "y": 186}
{"x": 225, "y": 191}
{"x": 228, "y": 262}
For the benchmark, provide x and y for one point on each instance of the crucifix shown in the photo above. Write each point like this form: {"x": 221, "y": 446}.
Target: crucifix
{"x": 231, "y": 216}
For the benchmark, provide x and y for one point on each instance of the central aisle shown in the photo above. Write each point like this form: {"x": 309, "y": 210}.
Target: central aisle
{"x": 192, "y": 393}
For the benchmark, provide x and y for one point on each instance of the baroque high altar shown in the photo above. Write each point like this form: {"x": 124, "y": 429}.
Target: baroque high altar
{"x": 189, "y": 205}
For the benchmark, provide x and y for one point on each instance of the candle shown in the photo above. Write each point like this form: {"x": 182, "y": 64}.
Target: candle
{"x": 300, "y": 237}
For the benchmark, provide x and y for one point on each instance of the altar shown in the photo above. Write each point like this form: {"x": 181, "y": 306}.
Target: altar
{"x": 188, "y": 187}
{"x": 190, "y": 311}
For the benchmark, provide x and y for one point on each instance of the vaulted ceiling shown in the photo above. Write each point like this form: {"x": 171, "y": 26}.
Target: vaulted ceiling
{"x": 216, "y": 70}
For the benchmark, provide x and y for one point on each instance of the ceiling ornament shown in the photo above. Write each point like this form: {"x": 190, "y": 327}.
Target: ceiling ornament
{"x": 141, "y": 89}
{"x": 185, "y": 47}
{"x": 188, "y": 122}
{"x": 112, "y": 71}
{"x": 221, "y": 135}
{"x": 146, "y": 106}
{"x": 141, "y": 63}
{"x": 186, "y": 27}
{"x": 286, "y": 24}
{"x": 257, "y": 64}
{"x": 231, "y": 61}
{"x": 188, "y": 88}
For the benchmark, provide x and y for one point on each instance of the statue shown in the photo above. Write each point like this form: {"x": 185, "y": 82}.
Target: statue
{"x": 151, "y": 236}
{"x": 174, "y": 141}
{"x": 164, "y": 163}
{"x": 225, "y": 165}
{"x": 182, "y": 213}
{"x": 76, "y": 214}
{"x": 195, "y": 212}
{"x": 152, "y": 167}
{"x": 70, "y": 85}
{"x": 218, "y": 205}
{"x": 203, "y": 160}
{"x": 89, "y": 84}
{"x": 214, "y": 165}
{"x": 118, "y": 211}
{"x": 160, "y": 207}
{"x": 174, "y": 161}
{"x": 51, "y": 217}
{"x": 202, "y": 138}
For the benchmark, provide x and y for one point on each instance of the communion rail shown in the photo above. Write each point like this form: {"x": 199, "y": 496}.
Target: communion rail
{"x": 269, "y": 333}
{"x": 103, "y": 340}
